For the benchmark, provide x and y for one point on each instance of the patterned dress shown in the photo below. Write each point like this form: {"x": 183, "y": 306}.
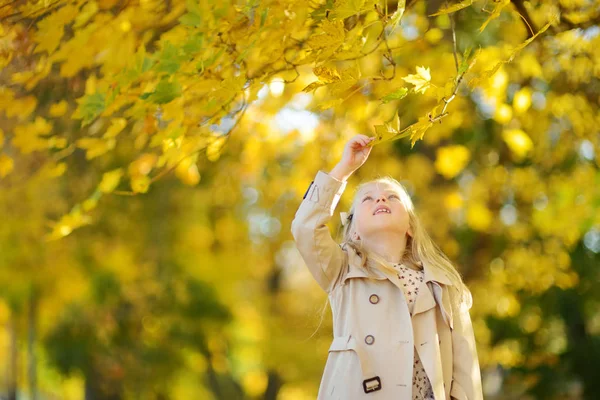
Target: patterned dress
{"x": 412, "y": 279}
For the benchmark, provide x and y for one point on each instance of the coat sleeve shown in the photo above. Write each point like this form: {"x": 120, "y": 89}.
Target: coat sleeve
{"x": 322, "y": 255}
{"x": 466, "y": 374}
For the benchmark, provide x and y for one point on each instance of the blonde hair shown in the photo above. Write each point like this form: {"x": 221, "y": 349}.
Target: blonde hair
{"x": 419, "y": 247}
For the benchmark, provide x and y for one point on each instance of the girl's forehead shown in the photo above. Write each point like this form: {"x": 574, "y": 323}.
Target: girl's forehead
{"x": 377, "y": 187}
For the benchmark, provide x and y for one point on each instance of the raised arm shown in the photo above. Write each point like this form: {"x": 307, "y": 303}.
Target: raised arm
{"x": 466, "y": 375}
{"x": 322, "y": 255}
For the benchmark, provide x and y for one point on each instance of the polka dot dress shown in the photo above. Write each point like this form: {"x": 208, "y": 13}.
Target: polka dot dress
{"x": 411, "y": 281}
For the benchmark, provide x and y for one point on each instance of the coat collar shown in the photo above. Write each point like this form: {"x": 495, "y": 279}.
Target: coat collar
{"x": 434, "y": 274}
{"x": 431, "y": 274}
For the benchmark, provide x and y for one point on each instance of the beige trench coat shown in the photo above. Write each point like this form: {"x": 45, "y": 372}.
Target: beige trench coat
{"x": 374, "y": 336}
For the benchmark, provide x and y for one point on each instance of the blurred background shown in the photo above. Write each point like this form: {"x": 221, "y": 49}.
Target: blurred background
{"x": 153, "y": 154}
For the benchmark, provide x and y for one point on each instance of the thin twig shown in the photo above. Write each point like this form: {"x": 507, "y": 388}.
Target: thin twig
{"x": 459, "y": 78}
{"x": 452, "y": 25}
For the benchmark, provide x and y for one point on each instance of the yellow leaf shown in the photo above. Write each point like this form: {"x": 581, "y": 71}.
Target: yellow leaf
{"x": 95, "y": 146}
{"x": 140, "y": 183}
{"x": 445, "y": 91}
{"x": 230, "y": 87}
{"x": 117, "y": 125}
{"x": 346, "y": 8}
{"x": 453, "y": 200}
{"x": 87, "y": 12}
{"x": 313, "y": 86}
{"x": 490, "y": 72}
{"x": 28, "y": 137}
{"x": 110, "y": 180}
{"x": 330, "y": 40}
{"x": 451, "y": 160}
{"x": 397, "y": 15}
{"x": 421, "y": 79}
{"x": 58, "y": 109}
{"x": 453, "y": 8}
{"x": 479, "y": 217}
{"x": 68, "y": 223}
{"x": 326, "y": 74}
{"x": 495, "y": 13}
{"x": 336, "y": 81}
{"x": 188, "y": 173}
{"x": 522, "y": 100}
{"x": 143, "y": 165}
{"x": 434, "y": 35}
{"x": 52, "y": 170}
{"x": 89, "y": 204}
{"x": 503, "y": 114}
{"x": 50, "y": 29}
{"x": 328, "y": 104}
{"x": 20, "y": 107}
{"x": 417, "y": 131}
{"x": 6, "y": 165}
{"x": 57, "y": 170}
{"x": 214, "y": 148}
{"x": 518, "y": 142}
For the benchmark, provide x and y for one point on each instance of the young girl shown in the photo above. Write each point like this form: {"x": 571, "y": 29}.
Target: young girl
{"x": 401, "y": 323}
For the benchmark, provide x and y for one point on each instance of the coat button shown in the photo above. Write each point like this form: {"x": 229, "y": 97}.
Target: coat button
{"x": 369, "y": 339}
{"x": 374, "y": 299}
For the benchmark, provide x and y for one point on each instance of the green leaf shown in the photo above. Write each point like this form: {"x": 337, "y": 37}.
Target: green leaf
{"x": 397, "y": 95}
{"x": 194, "y": 44}
{"x": 193, "y": 7}
{"x": 191, "y": 19}
{"x": 165, "y": 92}
{"x": 169, "y": 59}
{"x": 263, "y": 16}
{"x": 194, "y": 15}
{"x": 464, "y": 64}
{"x": 90, "y": 106}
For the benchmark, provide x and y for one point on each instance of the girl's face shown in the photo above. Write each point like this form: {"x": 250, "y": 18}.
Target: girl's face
{"x": 378, "y": 209}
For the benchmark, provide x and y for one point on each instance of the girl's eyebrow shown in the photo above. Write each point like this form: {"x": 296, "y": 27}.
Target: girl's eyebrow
{"x": 369, "y": 191}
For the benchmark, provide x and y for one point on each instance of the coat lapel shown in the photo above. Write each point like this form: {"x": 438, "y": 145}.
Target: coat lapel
{"x": 430, "y": 293}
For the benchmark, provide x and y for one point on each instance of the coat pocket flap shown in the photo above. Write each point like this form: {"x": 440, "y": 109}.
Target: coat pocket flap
{"x": 341, "y": 343}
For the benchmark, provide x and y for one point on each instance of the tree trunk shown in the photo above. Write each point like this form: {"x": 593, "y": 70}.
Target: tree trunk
{"x": 32, "y": 356}
{"x": 12, "y": 368}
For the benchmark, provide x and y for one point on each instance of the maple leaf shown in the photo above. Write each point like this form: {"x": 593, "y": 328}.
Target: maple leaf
{"x": 346, "y": 8}
{"x": 421, "y": 80}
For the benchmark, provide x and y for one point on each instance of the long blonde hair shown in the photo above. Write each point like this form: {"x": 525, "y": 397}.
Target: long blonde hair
{"x": 419, "y": 247}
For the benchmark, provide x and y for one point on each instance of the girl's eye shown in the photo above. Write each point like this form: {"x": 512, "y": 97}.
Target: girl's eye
{"x": 368, "y": 197}
{"x": 393, "y": 195}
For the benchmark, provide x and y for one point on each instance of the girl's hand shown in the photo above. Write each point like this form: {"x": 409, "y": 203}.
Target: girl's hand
{"x": 355, "y": 154}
